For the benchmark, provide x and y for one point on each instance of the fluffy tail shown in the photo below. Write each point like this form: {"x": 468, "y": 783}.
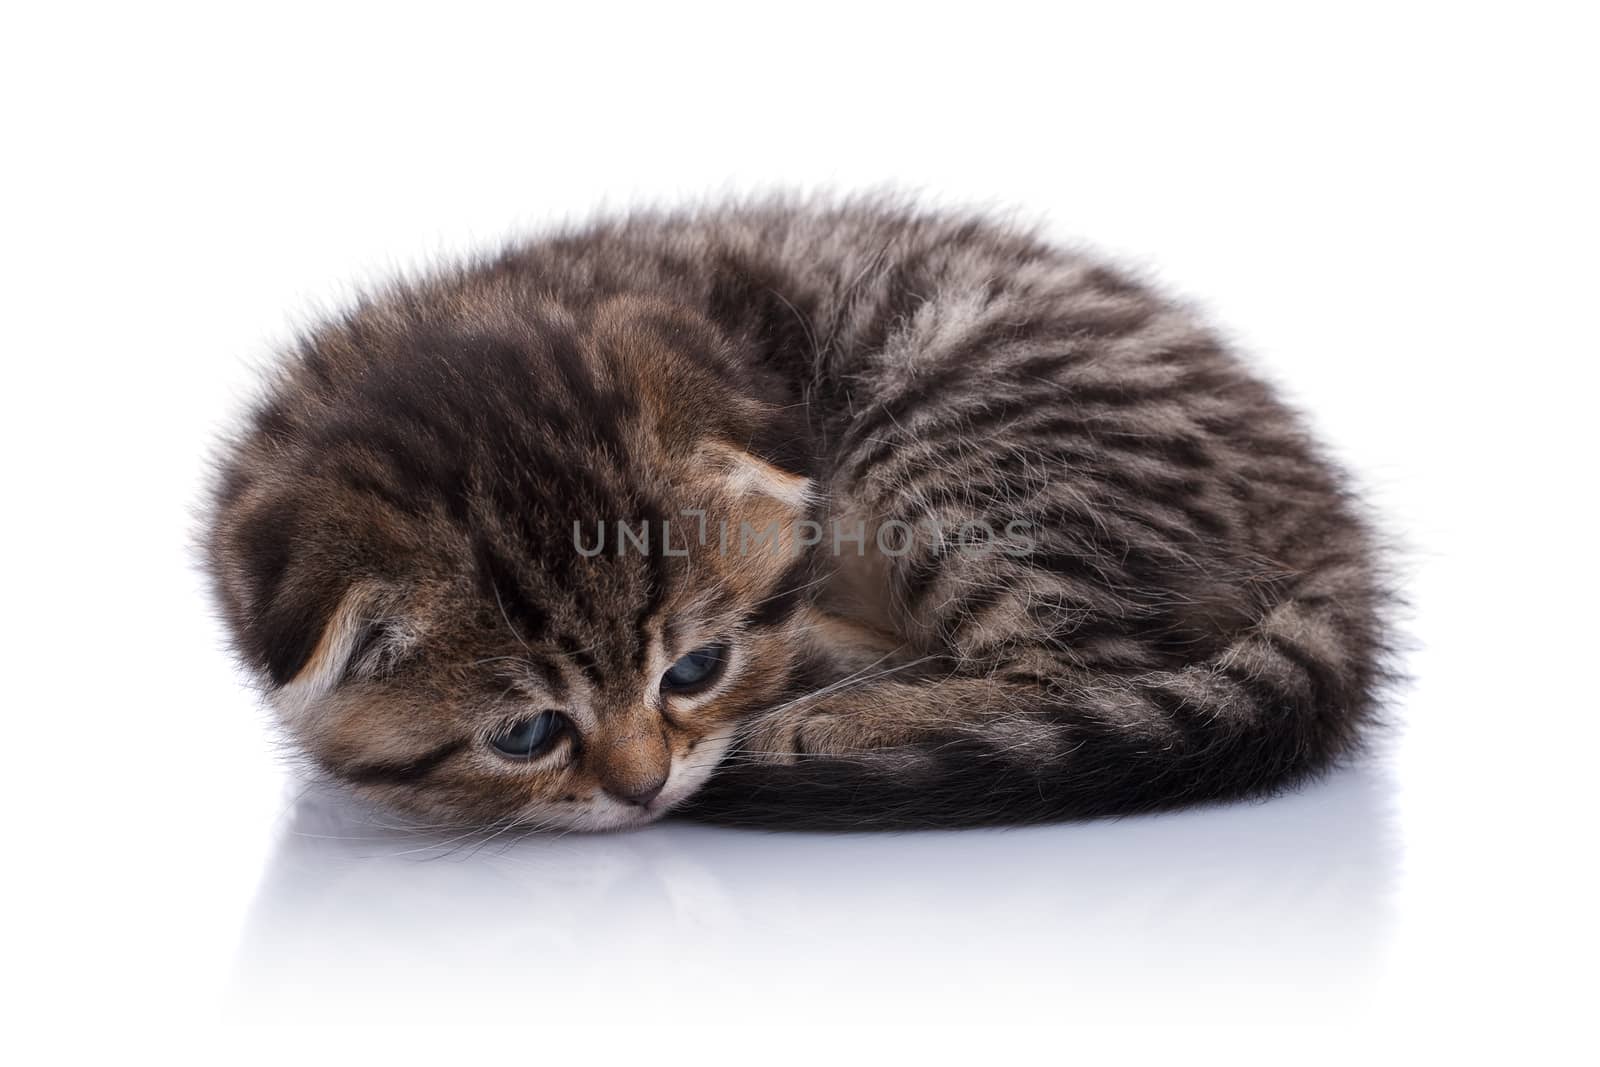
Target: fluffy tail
{"x": 1280, "y": 702}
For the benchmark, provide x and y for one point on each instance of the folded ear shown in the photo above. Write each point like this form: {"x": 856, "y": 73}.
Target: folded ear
{"x": 356, "y": 638}
{"x": 744, "y": 473}
{"x": 766, "y": 508}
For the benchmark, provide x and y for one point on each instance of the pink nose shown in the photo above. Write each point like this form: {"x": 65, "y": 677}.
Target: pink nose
{"x": 640, "y": 795}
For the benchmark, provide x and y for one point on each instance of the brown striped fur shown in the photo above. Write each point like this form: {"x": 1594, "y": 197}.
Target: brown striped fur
{"x": 1195, "y": 614}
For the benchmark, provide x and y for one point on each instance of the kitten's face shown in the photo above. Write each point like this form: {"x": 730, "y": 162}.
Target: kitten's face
{"x": 406, "y": 547}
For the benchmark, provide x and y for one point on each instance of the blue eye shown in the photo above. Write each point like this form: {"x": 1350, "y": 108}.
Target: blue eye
{"x": 695, "y": 671}
{"x": 528, "y": 738}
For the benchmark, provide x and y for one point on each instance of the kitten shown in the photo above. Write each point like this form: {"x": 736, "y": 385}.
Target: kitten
{"x": 791, "y": 513}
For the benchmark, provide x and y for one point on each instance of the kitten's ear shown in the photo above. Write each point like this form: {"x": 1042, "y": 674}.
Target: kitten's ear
{"x": 746, "y": 473}
{"x": 357, "y": 634}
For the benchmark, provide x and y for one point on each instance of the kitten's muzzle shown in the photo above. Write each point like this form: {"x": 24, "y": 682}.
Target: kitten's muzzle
{"x": 642, "y": 796}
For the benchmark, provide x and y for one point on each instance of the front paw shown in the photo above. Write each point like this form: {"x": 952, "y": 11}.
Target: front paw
{"x": 789, "y": 736}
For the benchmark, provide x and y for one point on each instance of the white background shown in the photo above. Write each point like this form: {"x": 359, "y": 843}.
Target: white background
{"x": 1391, "y": 208}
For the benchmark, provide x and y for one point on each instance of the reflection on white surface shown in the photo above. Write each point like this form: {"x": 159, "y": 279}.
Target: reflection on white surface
{"x": 1288, "y": 894}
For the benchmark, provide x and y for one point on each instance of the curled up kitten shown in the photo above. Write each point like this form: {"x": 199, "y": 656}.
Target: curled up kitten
{"x": 808, "y": 514}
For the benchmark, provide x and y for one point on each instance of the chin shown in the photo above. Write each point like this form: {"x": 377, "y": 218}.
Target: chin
{"x": 616, "y": 816}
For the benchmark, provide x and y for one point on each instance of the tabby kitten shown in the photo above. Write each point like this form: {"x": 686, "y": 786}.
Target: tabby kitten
{"x": 791, "y": 513}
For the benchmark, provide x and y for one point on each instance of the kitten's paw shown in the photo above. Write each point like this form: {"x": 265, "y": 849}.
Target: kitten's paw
{"x": 781, "y": 738}
{"x": 791, "y": 736}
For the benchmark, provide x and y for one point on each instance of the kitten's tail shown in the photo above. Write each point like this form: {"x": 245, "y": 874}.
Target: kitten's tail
{"x": 1281, "y": 702}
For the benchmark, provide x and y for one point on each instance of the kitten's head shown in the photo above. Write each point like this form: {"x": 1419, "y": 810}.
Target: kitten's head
{"x": 473, "y": 546}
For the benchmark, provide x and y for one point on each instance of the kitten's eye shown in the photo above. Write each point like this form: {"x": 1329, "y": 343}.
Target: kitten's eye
{"x": 696, "y": 670}
{"x": 528, "y": 738}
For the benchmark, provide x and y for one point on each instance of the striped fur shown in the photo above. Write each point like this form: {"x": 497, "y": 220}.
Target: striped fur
{"x": 1192, "y": 612}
